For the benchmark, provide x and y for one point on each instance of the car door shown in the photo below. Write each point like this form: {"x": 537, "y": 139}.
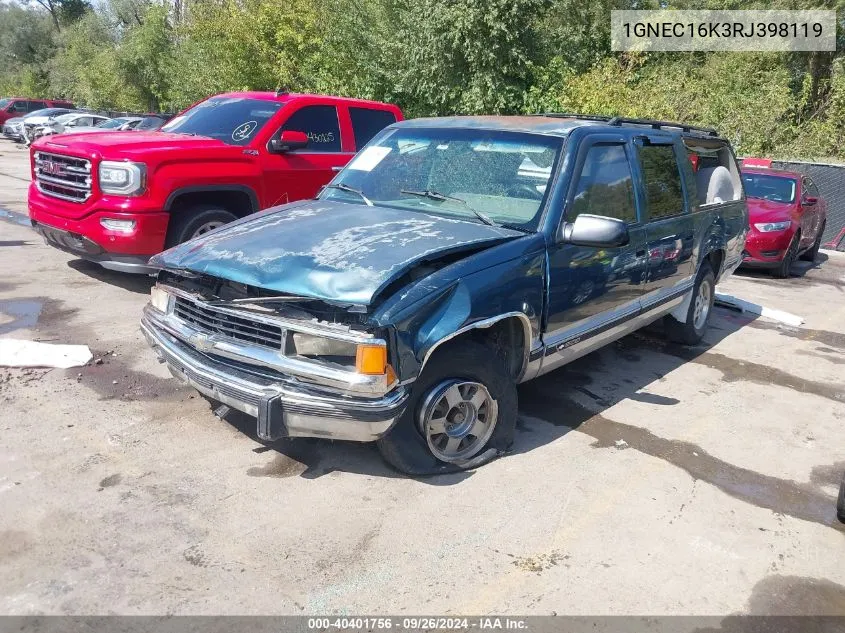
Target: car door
{"x": 670, "y": 226}
{"x": 299, "y": 174}
{"x": 593, "y": 290}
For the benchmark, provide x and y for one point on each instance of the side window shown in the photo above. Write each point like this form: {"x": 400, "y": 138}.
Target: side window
{"x": 366, "y": 123}
{"x": 320, "y": 124}
{"x": 605, "y": 185}
{"x": 810, "y": 189}
{"x": 36, "y": 105}
{"x": 19, "y": 106}
{"x": 664, "y": 193}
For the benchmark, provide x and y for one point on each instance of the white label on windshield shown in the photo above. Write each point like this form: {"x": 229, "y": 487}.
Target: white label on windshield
{"x": 369, "y": 158}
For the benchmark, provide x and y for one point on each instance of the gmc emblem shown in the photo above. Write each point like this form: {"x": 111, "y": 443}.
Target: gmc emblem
{"x": 52, "y": 168}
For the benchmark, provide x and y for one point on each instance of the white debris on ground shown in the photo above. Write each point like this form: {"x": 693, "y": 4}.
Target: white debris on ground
{"x": 20, "y": 353}
{"x": 754, "y": 308}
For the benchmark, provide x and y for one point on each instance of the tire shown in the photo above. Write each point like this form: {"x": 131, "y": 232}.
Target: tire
{"x": 413, "y": 445}
{"x": 810, "y": 255}
{"x": 782, "y": 270}
{"x": 195, "y": 221}
{"x": 840, "y": 503}
{"x": 692, "y": 330}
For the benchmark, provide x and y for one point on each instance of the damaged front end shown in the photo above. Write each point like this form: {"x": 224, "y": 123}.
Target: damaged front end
{"x": 303, "y": 367}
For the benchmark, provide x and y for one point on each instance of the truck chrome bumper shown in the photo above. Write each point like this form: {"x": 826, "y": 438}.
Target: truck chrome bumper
{"x": 283, "y": 407}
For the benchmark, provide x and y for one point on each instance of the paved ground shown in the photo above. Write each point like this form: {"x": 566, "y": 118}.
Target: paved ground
{"x": 645, "y": 478}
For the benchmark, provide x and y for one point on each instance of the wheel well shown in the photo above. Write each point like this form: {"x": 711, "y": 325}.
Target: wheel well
{"x": 235, "y": 201}
{"x": 507, "y": 339}
{"x": 716, "y": 258}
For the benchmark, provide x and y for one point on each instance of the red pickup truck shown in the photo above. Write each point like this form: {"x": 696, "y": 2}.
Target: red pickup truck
{"x": 117, "y": 198}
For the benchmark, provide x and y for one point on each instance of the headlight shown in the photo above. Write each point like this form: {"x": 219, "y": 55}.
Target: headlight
{"x": 363, "y": 358}
{"x": 321, "y": 348}
{"x": 123, "y": 178}
{"x": 769, "y": 227}
{"x": 160, "y": 299}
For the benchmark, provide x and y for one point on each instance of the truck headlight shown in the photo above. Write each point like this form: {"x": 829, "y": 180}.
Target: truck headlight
{"x": 321, "y": 348}
{"x": 770, "y": 227}
{"x": 160, "y": 299}
{"x": 368, "y": 359}
{"x": 122, "y": 178}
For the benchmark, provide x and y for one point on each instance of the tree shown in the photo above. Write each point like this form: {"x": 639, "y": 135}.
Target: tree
{"x": 467, "y": 56}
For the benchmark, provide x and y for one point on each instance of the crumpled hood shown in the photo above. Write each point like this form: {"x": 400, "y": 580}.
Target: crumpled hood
{"x": 329, "y": 250}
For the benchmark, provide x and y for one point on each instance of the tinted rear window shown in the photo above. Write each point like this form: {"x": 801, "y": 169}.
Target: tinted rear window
{"x": 366, "y": 123}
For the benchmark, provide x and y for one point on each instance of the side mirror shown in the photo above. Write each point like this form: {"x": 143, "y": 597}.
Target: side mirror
{"x": 288, "y": 141}
{"x": 596, "y": 230}
{"x": 810, "y": 201}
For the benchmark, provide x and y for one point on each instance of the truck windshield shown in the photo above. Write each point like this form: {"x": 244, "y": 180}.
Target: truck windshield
{"x": 774, "y": 188}
{"x": 233, "y": 120}
{"x": 478, "y": 175}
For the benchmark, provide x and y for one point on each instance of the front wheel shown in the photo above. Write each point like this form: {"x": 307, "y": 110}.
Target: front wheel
{"x": 196, "y": 221}
{"x": 461, "y": 413}
{"x": 810, "y": 255}
{"x": 783, "y": 269}
{"x": 691, "y": 330}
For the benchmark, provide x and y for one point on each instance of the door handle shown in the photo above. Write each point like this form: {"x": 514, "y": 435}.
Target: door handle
{"x": 337, "y": 168}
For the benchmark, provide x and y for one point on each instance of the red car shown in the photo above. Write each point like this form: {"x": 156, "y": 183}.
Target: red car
{"x": 117, "y": 198}
{"x": 786, "y": 216}
{"x": 11, "y": 107}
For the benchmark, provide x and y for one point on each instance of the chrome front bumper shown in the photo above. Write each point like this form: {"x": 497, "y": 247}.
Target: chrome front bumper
{"x": 284, "y": 407}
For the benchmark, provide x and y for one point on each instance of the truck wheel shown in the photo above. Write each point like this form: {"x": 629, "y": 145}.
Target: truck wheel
{"x": 461, "y": 413}
{"x": 782, "y": 270}
{"x": 810, "y": 255}
{"x": 840, "y": 503}
{"x": 691, "y": 331}
{"x": 190, "y": 223}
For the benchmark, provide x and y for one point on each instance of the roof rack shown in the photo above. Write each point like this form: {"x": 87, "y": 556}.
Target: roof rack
{"x": 619, "y": 121}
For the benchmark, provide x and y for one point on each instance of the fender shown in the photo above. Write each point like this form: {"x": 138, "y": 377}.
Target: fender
{"x": 253, "y": 197}
{"x": 484, "y": 324}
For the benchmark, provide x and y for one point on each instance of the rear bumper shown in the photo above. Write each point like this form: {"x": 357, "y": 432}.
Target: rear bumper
{"x": 284, "y": 407}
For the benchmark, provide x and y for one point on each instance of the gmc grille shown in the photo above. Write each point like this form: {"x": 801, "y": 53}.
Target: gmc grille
{"x": 65, "y": 177}
{"x": 211, "y": 321}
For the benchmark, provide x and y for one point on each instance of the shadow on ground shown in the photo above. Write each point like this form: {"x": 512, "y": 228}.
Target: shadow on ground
{"x": 128, "y": 281}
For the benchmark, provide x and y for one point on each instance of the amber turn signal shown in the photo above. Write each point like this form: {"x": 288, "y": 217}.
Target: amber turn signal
{"x": 371, "y": 359}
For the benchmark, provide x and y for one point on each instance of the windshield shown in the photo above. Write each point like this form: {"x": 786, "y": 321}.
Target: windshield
{"x": 233, "y": 120}
{"x": 4, "y": 103}
{"x": 461, "y": 173}
{"x": 768, "y": 187}
{"x": 64, "y": 118}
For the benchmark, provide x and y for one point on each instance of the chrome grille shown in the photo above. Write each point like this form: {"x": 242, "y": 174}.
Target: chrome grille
{"x": 65, "y": 177}
{"x": 211, "y": 321}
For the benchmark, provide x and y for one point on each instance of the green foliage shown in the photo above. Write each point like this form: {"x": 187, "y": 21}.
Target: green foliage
{"x": 468, "y": 56}
{"x": 432, "y": 57}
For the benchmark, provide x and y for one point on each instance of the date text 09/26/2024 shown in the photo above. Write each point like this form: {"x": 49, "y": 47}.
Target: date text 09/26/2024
{"x": 416, "y": 623}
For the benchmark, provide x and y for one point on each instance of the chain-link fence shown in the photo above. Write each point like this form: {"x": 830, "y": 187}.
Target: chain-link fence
{"x": 830, "y": 180}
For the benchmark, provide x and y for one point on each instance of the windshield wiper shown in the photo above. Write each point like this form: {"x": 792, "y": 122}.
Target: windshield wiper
{"x": 344, "y": 187}
{"x": 436, "y": 195}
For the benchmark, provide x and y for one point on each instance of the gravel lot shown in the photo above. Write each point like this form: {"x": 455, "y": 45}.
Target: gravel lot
{"x": 645, "y": 478}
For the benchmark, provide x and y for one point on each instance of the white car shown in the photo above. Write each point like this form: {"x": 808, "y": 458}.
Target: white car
{"x": 74, "y": 122}
{"x": 113, "y": 125}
